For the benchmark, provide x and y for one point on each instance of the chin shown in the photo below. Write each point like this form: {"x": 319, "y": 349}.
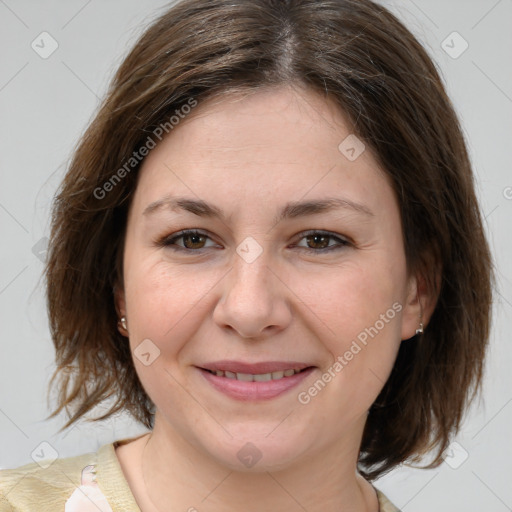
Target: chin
{"x": 256, "y": 454}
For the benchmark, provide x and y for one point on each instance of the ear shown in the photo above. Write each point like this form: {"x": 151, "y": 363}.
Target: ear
{"x": 120, "y": 305}
{"x": 420, "y": 303}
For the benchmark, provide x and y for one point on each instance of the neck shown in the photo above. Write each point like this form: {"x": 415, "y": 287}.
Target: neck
{"x": 176, "y": 472}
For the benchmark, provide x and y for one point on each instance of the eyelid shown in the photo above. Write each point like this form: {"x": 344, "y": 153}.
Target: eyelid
{"x": 168, "y": 240}
{"x": 343, "y": 241}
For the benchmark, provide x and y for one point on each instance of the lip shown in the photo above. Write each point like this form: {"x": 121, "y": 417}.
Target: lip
{"x": 254, "y": 391}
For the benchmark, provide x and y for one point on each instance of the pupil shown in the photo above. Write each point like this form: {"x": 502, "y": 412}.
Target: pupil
{"x": 195, "y": 239}
{"x": 317, "y": 237}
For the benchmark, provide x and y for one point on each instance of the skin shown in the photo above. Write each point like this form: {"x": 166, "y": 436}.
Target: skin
{"x": 249, "y": 155}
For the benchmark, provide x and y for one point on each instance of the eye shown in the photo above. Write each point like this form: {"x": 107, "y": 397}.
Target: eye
{"x": 320, "y": 241}
{"x": 192, "y": 240}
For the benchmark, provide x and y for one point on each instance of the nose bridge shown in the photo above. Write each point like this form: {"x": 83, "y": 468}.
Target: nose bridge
{"x": 250, "y": 277}
{"x": 251, "y": 299}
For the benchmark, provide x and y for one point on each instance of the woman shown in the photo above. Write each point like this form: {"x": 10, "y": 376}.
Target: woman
{"x": 267, "y": 247}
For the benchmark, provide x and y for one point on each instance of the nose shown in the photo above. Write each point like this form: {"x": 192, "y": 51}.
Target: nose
{"x": 254, "y": 301}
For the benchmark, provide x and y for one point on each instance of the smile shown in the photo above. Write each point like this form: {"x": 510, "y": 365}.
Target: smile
{"x": 254, "y": 382}
{"x": 259, "y": 377}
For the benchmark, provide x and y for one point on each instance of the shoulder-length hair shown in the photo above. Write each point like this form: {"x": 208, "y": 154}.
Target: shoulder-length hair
{"x": 356, "y": 53}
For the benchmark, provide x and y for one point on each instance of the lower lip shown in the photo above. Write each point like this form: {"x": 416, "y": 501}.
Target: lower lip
{"x": 249, "y": 391}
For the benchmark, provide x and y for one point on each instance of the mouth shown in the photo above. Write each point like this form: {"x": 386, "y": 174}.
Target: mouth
{"x": 257, "y": 377}
{"x": 257, "y": 381}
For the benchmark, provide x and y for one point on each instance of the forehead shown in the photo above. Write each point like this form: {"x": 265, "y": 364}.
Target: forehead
{"x": 276, "y": 141}
{"x": 271, "y": 119}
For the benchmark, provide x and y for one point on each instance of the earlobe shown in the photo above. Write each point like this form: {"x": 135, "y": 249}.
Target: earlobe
{"x": 119, "y": 300}
{"x": 411, "y": 311}
{"x": 420, "y": 304}
{"x": 120, "y": 305}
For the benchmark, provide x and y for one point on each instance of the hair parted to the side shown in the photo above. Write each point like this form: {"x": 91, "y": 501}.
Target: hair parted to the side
{"x": 356, "y": 53}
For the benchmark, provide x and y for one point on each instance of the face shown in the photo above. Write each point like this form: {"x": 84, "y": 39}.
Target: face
{"x": 268, "y": 285}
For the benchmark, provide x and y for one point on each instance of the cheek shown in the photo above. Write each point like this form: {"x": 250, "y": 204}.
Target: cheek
{"x": 361, "y": 309}
{"x": 166, "y": 304}
{"x": 351, "y": 297}
{"x": 161, "y": 297}
{"x": 163, "y": 306}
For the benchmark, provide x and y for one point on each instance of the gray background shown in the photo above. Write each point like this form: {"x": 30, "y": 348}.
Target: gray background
{"x": 46, "y": 105}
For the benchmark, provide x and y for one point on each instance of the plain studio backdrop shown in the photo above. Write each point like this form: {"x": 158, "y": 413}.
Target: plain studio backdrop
{"x": 49, "y": 92}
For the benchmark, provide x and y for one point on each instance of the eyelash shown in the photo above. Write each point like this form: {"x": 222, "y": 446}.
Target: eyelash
{"x": 168, "y": 241}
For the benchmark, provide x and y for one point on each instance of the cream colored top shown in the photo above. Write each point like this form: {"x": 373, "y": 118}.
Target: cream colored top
{"x": 91, "y": 482}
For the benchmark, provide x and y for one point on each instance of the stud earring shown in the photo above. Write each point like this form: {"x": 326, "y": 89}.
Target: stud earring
{"x": 123, "y": 323}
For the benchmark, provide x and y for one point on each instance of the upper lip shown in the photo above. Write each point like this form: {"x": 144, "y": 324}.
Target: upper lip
{"x": 254, "y": 368}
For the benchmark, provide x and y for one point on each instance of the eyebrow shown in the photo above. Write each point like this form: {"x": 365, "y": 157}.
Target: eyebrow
{"x": 291, "y": 210}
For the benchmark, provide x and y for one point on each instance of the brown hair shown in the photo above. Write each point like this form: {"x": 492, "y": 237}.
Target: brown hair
{"x": 356, "y": 53}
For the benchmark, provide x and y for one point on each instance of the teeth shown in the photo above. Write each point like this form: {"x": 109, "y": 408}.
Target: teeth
{"x": 244, "y": 376}
{"x": 260, "y": 377}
